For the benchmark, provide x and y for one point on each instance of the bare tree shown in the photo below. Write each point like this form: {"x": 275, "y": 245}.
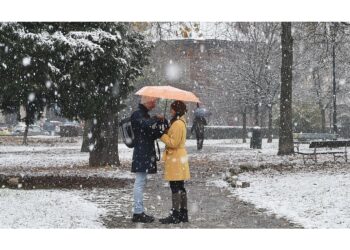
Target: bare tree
{"x": 257, "y": 67}
{"x": 328, "y": 42}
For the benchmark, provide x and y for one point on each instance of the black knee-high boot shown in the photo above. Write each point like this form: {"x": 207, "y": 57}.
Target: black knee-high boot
{"x": 174, "y": 217}
{"x": 183, "y": 207}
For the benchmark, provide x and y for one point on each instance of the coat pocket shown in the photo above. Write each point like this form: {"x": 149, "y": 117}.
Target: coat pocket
{"x": 169, "y": 151}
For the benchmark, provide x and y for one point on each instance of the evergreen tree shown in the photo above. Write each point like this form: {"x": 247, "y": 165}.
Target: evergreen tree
{"x": 87, "y": 69}
{"x": 97, "y": 67}
{"x": 25, "y": 72}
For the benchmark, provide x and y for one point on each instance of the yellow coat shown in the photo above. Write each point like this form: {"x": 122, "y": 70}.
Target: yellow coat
{"x": 175, "y": 154}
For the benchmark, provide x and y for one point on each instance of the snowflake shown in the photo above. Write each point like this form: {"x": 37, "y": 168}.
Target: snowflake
{"x": 26, "y": 61}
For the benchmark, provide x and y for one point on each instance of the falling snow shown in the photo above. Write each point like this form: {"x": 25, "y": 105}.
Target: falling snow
{"x": 31, "y": 97}
{"x": 26, "y": 61}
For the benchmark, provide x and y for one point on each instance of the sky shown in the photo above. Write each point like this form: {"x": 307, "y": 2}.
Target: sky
{"x": 180, "y": 10}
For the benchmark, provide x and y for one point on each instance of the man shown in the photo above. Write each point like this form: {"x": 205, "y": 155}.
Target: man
{"x": 198, "y": 126}
{"x": 146, "y": 131}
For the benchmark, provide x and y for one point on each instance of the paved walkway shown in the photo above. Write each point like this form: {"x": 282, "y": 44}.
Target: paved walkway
{"x": 209, "y": 205}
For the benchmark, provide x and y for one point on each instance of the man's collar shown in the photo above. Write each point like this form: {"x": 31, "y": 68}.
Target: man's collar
{"x": 143, "y": 107}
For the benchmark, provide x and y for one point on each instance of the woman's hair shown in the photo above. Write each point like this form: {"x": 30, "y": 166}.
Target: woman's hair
{"x": 180, "y": 108}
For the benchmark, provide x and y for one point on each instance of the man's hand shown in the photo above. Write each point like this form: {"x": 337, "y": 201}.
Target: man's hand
{"x": 159, "y": 117}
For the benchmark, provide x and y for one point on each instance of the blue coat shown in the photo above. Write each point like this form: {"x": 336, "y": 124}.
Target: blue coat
{"x": 146, "y": 131}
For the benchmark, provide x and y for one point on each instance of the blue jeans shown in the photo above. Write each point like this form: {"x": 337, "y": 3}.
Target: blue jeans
{"x": 139, "y": 186}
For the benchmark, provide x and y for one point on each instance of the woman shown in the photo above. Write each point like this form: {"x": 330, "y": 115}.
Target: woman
{"x": 176, "y": 169}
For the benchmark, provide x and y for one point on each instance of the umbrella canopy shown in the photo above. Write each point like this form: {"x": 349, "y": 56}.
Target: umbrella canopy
{"x": 168, "y": 92}
{"x": 202, "y": 112}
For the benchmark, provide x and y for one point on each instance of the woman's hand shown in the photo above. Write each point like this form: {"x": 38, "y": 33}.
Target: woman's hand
{"x": 166, "y": 130}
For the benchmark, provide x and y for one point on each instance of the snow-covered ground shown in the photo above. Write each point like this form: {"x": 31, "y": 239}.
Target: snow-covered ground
{"x": 47, "y": 209}
{"x": 318, "y": 199}
{"x": 315, "y": 196}
{"x": 49, "y": 156}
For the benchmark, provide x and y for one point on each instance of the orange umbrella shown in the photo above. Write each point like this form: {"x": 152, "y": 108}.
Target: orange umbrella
{"x": 168, "y": 92}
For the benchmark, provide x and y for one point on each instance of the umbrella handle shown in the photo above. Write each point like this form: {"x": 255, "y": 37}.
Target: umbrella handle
{"x": 166, "y": 105}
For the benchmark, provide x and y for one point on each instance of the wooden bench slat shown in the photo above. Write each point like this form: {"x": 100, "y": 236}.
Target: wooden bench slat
{"x": 320, "y": 153}
{"x": 329, "y": 144}
{"x": 314, "y": 136}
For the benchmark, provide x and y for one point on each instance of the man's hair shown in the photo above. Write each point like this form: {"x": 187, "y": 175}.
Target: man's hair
{"x": 147, "y": 99}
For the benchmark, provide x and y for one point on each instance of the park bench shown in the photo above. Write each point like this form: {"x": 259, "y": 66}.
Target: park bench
{"x": 330, "y": 145}
{"x": 306, "y": 138}
{"x": 323, "y": 144}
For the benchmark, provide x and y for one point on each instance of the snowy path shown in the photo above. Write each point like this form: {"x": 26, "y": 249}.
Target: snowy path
{"x": 209, "y": 206}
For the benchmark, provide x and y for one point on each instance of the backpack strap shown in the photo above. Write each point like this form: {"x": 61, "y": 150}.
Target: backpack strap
{"x": 158, "y": 151}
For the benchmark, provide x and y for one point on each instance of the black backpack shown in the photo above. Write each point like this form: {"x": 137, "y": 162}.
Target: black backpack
{"x": 127, "y": 132}
{"x": 129, "y": 137}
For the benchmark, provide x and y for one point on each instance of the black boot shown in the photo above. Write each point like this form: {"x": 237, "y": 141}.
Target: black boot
{"x": 173, "y": 218}
{"x": 143, "y": 218}
{"x": 183, "y": 215}
{"x": 183, "y": 207}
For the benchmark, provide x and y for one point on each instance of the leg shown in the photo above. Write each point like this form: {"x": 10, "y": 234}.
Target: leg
{"x": 174, "y": 217}
{"x": 139, "y": 186}
{"x": 201, "y": 140}
{"x": 346, "y": 154}
{"x": 183, "y": 204}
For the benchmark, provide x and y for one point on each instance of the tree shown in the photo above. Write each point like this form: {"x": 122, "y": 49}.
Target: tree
{"x": 306, "y": 118}
{"x": 257, "y": 68}
{"x": 329, "y": 41}
{"x": 25, "y": 72}
{"x": 285, "y": 143}
{"x": 87, "y": 69}
{"x": 158, "y": 31}
{"x": 96, "y": 74}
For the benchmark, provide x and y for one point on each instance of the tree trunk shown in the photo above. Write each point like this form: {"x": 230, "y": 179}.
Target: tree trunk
{"x": 316, "y": 77}
{"x": 105, "y": 141}
{"x": 96, "y": 144}
{"x": 285, "y": 145}
{"x": 244, "y": 118}
{"x": 87, "y": 130}
{"x": 25, "y": 135}
{"x": 323, "y": 120}
{"x": 113, "y": 158}
{"x": 262, "y": 116}
{"x": 269, "y": 133}
{"x": 330, "y": 119}
{"x": 335, "y": 126}
{"x": 256, "y": 109}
